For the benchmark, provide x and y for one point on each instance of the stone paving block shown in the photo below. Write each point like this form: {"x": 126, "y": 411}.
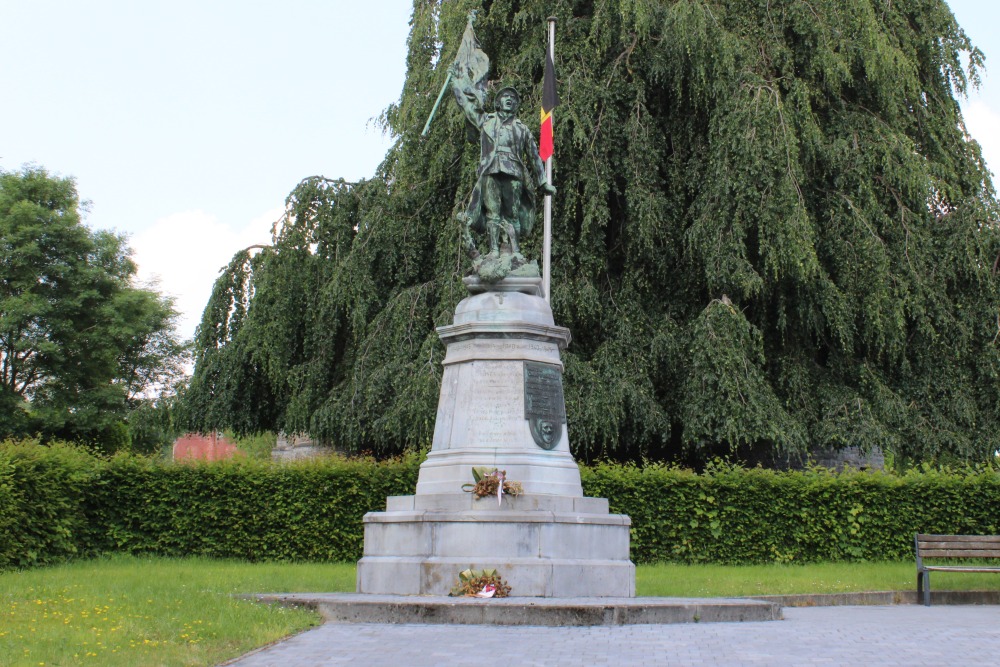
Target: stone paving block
{"x": 909, "y": 635}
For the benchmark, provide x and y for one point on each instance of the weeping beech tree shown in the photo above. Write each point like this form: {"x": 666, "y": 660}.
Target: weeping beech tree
{"x": 772, "y": 233}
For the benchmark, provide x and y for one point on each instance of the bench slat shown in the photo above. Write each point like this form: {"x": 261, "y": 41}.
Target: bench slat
{"x": 960, "y": 553}
{"x": 973, "y": 544}
{"x": 958, "y": 538}
{"x": 982, "y": 544}
{"x": 958, "y": 568}
{"x": 970, "y": 546}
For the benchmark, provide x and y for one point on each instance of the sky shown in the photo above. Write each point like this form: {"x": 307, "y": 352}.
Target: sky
{"x": 187, "y": 123}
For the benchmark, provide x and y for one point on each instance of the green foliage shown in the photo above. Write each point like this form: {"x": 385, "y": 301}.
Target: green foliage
{"x": 772, "y": 231}
{"x": 60, "y": 502}
{"x": 700, "y": 581}
{"x": 257, "y": 446}
{"x": 276, "y": 361}
{"x": 125, "y": 612}
{"x": 243, "y": 508}
{"x": 730, "y": 398}
{"x": 154, "y": 423}
{"x": 732, "y": 515}
{"x": 43, "y": 492}
{"x": 79, "y": 342}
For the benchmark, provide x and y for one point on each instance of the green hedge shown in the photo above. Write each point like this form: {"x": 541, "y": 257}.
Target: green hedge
{"x": 58, "y": 502}
{"x": 736, "y": 516}
{"x": 43, "y": 491}
{"x": 254, "y": 510}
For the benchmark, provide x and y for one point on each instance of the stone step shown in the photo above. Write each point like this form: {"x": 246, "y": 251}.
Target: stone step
{"x": 363, "y": 608}
{"x": 528, "y": 577}
{"x": 525, "y": 502}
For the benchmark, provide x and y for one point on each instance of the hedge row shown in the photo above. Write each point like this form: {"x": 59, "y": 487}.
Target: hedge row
{"x": 43, "y": 492}
{"x": 57, "y": 503}
{"x": 739, "y": 516}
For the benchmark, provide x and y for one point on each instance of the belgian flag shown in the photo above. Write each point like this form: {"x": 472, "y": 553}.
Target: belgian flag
{"x": 549, "y": 101}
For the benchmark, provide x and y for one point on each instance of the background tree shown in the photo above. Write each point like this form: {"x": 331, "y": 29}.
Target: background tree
{"x": 155, "y": 421}
{"x": 772, "y": 232}
{"x": 79, "y": 341}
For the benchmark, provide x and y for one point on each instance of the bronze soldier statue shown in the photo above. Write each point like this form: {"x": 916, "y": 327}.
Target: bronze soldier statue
{"x": 502, "y": 203}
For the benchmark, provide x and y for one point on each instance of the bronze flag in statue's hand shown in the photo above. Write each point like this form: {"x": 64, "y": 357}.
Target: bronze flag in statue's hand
{"x": 470, "y": 69}
{"x": 471, "y": 65}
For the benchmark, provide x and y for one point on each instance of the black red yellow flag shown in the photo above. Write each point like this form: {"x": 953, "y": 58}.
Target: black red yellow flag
{"x": 549, "y": 101}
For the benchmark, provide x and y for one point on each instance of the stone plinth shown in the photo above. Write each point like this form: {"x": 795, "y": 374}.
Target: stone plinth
{"x": 481, "y": 412}
{"x": 501, "y": 406}
{"x": 538, "y": 552}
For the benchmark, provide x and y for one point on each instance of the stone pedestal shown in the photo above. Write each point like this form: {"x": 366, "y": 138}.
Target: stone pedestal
{"x": 501, "y": 406}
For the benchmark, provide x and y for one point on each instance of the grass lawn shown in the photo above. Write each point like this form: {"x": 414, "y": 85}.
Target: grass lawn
{"x": 136, "y": 612}
{"x": 670, "y": 580}
{"x": 152, "y": 611}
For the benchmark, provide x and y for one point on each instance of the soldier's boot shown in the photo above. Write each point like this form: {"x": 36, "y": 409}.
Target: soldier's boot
{"x": 493, "y": 230}
{"x": 512, "y": 237}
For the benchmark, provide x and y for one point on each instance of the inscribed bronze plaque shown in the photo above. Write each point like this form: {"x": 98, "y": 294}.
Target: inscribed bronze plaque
{"x": 544, "y": 406}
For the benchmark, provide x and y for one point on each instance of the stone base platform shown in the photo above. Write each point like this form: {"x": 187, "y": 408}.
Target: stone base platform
{"x": 364, "y": 608}
{"x": 543, "y": 546}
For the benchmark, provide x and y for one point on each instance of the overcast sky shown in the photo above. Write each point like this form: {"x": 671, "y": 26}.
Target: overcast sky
{"x": 186, "y": 123}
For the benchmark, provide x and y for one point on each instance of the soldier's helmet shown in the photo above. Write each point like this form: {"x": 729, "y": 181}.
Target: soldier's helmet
{"x": 506, "y": 91}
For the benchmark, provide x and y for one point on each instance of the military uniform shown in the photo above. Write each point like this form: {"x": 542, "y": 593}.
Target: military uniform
{"x": 503, "y": 200}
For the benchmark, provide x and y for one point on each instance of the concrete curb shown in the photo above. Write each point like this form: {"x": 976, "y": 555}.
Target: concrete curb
{"x": 569, "y": 612}
{"x": 882, "y": 598}
{"x": 552, "y": 612}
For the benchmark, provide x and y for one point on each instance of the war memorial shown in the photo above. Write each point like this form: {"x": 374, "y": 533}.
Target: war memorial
{"x": 500, "y": 491}
{"x": 499, "y": 497}
{"x": 501, "y": 409}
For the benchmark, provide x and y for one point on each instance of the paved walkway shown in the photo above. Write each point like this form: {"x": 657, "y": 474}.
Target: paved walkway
{"x": 904, "y": 635}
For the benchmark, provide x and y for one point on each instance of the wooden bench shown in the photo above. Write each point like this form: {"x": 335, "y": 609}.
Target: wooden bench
{"x": 952, "y": 546}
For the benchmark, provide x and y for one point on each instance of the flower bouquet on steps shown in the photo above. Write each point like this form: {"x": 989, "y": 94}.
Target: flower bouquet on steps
{"x": 485, "y": 583}
{"x": 492, "y": 482}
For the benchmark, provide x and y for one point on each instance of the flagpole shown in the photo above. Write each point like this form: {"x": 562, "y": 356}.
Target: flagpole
{"x": 547, "y": 226}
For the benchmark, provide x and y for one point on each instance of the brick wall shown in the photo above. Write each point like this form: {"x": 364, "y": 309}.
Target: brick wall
{"x": 211, "y": 447}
